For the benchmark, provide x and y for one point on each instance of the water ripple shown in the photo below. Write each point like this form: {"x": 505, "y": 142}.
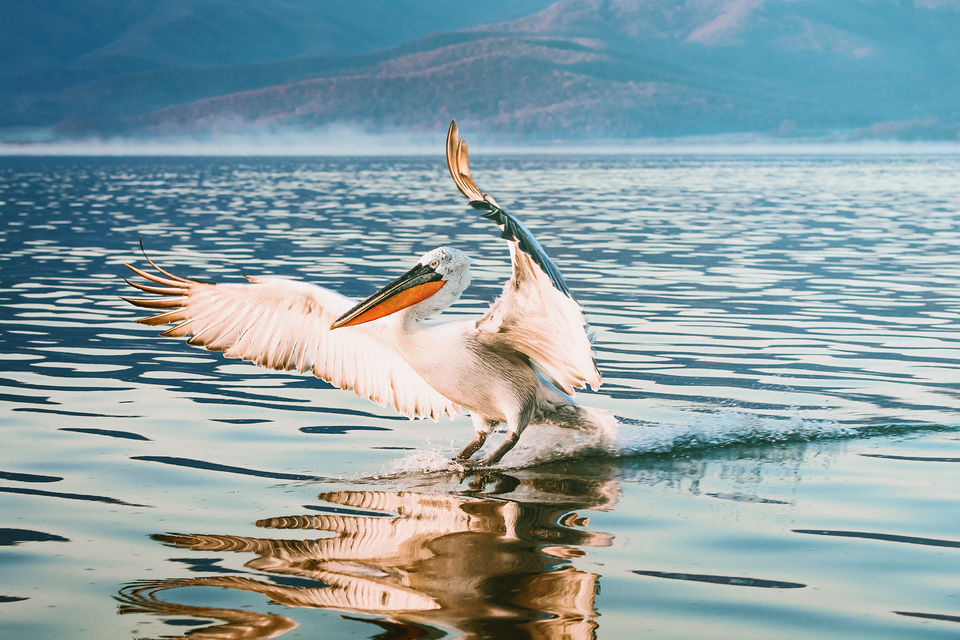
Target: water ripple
{"x": 727, "y": 580}
{"x": 747, "y": 310}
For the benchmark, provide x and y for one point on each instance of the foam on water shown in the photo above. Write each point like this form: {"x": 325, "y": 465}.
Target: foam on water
{"x": 682, "y": 431}
{"x": 622, "y": 437}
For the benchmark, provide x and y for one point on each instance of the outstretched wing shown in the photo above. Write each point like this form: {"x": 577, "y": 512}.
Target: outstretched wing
{"x": 285, "y": 324}
{"x": 535, "y": 313}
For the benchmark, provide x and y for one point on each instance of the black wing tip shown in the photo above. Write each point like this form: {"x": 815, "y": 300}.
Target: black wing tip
{"x": 514, "y": 231}
{"x": 558, "y": 282}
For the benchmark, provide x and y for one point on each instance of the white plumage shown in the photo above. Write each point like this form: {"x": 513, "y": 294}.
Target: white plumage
{"x": 516, "y": 364}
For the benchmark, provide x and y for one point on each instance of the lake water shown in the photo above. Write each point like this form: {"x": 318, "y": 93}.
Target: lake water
{"x": 780, "y": 337}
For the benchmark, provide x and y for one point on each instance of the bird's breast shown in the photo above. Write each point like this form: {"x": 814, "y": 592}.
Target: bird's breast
{"x": 488, "y": 381}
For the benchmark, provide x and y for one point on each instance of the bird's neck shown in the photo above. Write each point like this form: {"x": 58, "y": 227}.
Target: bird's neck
{"x": 413, "y": 340}
{"x": 411, "y": 317}
{"x": 409, "y": 320}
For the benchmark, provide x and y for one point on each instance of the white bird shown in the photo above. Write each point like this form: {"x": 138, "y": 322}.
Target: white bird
{"x": 518, "y": 364}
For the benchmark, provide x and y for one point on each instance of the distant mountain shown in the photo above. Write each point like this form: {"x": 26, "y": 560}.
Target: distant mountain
{"x": 99, "y": 61}
{"x": 571, "y": 70}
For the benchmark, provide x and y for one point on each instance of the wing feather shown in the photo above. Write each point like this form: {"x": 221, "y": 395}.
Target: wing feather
{"x": 535, "y": 313}
{"x": 284, "y": 324}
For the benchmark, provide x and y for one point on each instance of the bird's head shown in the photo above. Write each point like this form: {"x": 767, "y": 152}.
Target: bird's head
{"x": 435, "y": 283}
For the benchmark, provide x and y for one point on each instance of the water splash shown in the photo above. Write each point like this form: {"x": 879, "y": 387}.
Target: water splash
{"x": 684, "y": 432}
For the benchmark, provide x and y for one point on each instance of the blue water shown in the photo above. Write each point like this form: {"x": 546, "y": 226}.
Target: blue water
{"x": 778, "y": 335}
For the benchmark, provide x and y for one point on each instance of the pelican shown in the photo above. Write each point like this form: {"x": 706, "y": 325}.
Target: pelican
{"x": 518, "y": 364}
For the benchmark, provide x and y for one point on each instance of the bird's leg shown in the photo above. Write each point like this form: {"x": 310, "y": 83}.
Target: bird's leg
{"x": 483, "y": 427}
{"x": 514, "y": 428}
{"x": 472, "y": 447}
{"x": 499, "y": 452}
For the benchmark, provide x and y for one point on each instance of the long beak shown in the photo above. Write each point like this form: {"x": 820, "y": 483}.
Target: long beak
{"x": 414, "y": 286}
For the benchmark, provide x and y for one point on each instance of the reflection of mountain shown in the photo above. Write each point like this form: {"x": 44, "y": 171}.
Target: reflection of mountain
{"x": 575, "y": 69}
{"x": 493, "y": 560}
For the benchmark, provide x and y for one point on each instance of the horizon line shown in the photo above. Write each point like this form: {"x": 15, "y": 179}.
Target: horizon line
{"x": 390, "y": 145}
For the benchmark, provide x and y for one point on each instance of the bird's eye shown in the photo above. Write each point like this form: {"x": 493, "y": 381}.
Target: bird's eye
{"x": 434, "y": 264}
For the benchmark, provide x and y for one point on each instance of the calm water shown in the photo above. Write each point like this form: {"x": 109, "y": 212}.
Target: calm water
{"x": 780, "y": 337}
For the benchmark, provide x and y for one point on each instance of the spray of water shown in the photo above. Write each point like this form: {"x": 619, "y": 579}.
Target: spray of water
{"x": 623, "y": 437}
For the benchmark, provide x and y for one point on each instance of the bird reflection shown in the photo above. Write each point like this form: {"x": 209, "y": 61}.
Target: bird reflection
{"x": 490, "y": 555}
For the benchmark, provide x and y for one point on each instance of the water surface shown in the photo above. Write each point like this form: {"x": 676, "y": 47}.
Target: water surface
{"x": 780, "y": 337}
